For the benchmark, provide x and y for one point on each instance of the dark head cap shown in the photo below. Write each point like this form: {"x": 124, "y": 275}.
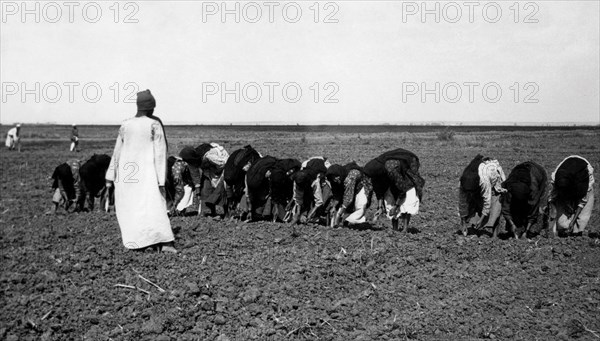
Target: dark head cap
{"x": 145, "y": 100}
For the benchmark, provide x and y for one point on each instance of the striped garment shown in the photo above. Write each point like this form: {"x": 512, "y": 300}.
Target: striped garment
{"x": 491, "y": 177}
{"x": 355, "y": 181}
{"x": 182, "y": 177}
{"x": 404, "y": 176}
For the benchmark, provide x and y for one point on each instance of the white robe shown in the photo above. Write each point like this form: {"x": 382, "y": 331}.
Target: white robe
{"x": 360, "y": 207}
{"x": 188, "y": 198}
{"x": 11, "y": 138}
{"x": 137, "y": 168}
{"x": 410, "y": 205}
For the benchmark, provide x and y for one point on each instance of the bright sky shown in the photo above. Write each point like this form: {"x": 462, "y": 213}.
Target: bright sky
{"x": 371, "y": 62}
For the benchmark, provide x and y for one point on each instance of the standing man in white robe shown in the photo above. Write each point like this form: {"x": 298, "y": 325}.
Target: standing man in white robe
{"x": 74, "y": 138}
{"x": 13, "y": 138}
{"x": 138, "y": 170}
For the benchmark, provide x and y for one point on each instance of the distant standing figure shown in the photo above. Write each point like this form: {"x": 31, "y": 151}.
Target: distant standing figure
{"x": 479, "y": 193}
{"x": 521, "y": 204}
{"x": 74, "y": 139}
{"x": 571, "y": 196}
{"x": 13, "y": 138}
{"x": 138, "y": 169}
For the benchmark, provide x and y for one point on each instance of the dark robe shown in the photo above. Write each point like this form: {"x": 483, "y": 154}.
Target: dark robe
{"x": 63, "y": 176}
{"x": 571, "y": 182}
{"x": 234, "y": 173}
{"x": 281, "y": 183}
{"x": 169, "y": 183}
{"x": 380, "y": 176}
{"x": 526, "y": 187}
{"x": 93, "y": 183}
{"x": 337, "y": 188}
{"x": 470, "y": 200}
{"x": 258, "y": 184}
{"x": 193, "y": 157}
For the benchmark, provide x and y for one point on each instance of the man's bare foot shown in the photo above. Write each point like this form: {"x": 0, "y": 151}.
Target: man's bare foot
{"x": 168, "y": 247}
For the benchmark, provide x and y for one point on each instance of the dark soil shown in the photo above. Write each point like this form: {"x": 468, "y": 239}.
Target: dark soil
{"x": 235, "y": 281}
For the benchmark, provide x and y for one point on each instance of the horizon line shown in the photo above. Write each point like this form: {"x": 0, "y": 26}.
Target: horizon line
{"x": 330, "y": 123}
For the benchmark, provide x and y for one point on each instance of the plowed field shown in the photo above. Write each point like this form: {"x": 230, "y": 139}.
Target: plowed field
{"x": 68, "y": 276}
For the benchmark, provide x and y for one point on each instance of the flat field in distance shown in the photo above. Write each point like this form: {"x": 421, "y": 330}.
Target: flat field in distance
{"x": 235, "y": 281}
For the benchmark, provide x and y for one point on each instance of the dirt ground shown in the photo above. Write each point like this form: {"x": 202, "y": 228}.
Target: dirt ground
{"x": 63, "y": 277}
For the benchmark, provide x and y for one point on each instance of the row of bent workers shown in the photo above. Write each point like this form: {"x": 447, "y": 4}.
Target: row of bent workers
{"x": 207, "y": 180}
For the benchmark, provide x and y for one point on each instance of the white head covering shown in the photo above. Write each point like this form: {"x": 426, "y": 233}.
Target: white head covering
{"x": 217, "y": 155}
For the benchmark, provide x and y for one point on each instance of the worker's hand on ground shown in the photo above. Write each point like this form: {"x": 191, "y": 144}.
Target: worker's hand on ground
{"x": 464, "y": 226}
{"x": 295, "y": 220}
{"x": 529, "y": 225}
{"x": 311, "y": 214}
{"x": 512, "y": 228}
{"x": 287, "y": 217}
{"x": 70, "y": 204}
{"x": 377, "y": 214}
{"x": 290, "y": 205}
{"x": 335, "y": 221}
{"x": 296, "y": 215}
{"x": 571, "y": 225}
{"x": 394, "y": 211}
{"x": 331, "y": 210}
{"x": 479, "y": 223}
{"x": 338, "y": 216}
{"x": 232, "y": 208}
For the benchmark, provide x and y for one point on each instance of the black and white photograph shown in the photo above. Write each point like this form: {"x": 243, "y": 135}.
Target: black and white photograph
{"x": 299, "y": 170}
